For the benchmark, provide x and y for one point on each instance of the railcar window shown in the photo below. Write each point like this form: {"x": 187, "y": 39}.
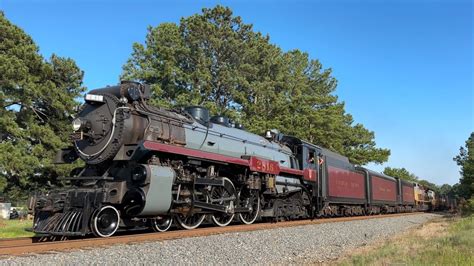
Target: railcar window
{"x": 311, "y": 157}
{"x": 300, "y": 159}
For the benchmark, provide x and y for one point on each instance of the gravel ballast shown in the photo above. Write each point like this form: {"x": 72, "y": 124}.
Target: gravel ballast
{"x": 309, "y": 243}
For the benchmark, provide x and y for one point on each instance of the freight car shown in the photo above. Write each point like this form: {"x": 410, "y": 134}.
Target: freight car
{"x": 148, "y": 166}
{"x": 445, "y": 203}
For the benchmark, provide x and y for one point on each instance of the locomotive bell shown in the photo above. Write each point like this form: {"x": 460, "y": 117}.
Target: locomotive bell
{"x": 268, "y": 134}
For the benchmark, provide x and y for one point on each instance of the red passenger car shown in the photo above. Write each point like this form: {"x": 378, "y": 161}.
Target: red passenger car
{"x": 407, "y": 193}
{"x": 383, "y": 192}
{"x": 383, "y": 189}
{"x": 345, "y": 183}
{"x": 343, "y": 186}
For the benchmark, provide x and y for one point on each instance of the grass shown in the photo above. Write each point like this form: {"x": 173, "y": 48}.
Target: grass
{"x": 447, "y": 241}
{"x": 15, "y": 228}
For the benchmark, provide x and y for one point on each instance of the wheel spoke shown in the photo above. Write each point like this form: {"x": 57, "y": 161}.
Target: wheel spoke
{"x": 161, "y": 224}
{"x": 190, "y": 222}
{"x": 251, "y": 200}
{"x": 219, "y": 196}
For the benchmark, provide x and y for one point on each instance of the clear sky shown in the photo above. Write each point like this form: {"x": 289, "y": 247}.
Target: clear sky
{"x": 404, "y": 67}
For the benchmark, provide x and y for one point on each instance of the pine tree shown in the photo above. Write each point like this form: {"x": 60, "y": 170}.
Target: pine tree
{"x": 465, "y": 160}
{"x": 36, "y": 100}
{"x": 401, "y": 173}
{"x": 215, "y": 60}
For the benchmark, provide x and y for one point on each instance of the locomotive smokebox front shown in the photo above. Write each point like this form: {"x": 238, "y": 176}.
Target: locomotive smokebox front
{"x": 106, "y": 122}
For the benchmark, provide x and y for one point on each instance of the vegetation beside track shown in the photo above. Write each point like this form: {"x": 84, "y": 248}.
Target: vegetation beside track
{"x": 15, "y": 228}
{"x": 446, "y": 241}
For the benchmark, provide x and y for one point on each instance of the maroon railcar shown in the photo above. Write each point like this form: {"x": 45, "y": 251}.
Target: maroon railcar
{"x": 407, "y": 192}
{"x": 382, "y": 189}
{"x": 339, "y": 184}
{"x": 343, "y": 183}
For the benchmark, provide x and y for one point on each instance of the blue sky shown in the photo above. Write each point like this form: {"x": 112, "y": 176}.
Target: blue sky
{"x": 404, "y": 67}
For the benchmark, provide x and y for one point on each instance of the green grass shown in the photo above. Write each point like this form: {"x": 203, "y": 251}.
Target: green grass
{"x": 15, "y": 228}
{"x": 446, "y": 242}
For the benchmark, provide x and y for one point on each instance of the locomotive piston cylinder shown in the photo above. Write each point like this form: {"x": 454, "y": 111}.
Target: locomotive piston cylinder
{"x": 154, "y": 196}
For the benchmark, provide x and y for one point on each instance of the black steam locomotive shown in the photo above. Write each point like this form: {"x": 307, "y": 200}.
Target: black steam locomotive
{"x": 148, "y": 166}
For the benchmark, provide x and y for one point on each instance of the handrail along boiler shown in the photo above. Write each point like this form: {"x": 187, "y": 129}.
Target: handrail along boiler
{"x": 150, "y": 166}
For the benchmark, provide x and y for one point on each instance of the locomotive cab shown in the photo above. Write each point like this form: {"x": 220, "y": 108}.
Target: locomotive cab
{"x": 307, "y": 155}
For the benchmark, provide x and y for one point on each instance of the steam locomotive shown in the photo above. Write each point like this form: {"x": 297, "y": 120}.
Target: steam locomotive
{"x": 148, "y": 166}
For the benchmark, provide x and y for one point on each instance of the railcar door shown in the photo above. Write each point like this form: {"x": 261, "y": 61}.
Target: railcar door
{"x": 321, "y": 166}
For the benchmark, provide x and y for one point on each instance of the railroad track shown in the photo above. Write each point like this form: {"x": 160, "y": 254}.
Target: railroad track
{"x": 28, "y": 245}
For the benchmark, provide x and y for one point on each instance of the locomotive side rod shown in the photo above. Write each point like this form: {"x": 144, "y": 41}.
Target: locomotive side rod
{"x": 219, "y": 208}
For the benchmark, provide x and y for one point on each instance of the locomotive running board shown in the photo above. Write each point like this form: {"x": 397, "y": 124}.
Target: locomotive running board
{"x": 254, "y": 163}
{"x": 219, "y": 208}
{"x": 86, "y": 178}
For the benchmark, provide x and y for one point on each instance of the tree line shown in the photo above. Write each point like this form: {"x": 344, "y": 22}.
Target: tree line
{"x": 463, "y": 189}
{"x": 212, "y": 59}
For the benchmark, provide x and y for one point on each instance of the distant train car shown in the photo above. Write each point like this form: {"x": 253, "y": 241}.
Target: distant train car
{"x": 451, "y": 204}
{"x": 445, "y": 203}
{"x": 406, "y": 194}
{"x": 425, "y": 198}
{"x": 432, "y": 201}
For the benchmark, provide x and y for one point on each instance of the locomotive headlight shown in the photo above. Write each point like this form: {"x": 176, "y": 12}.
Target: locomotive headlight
{"x": 76, "y": 124}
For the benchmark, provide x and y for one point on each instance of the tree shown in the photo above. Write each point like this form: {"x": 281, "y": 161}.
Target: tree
{"x": 215, "y": 60}
{"x": 446, "y": 189}
{"x": 429, "y": 184}
{"x": 36, "y": 100}
{"x": 465, "y": 160}
{"x": 457, "y": 191}
{"x": 401, "y": 173}
{"x": 404, "y": 174}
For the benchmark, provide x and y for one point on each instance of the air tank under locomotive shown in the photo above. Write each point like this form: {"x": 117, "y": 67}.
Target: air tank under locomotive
{"x": 150, "y": 166}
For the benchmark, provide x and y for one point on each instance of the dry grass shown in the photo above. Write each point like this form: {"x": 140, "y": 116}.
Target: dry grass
{"x": 434, "y": 229}
{"x": 427, "y": 231}
{"x": 445, "y": 241}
